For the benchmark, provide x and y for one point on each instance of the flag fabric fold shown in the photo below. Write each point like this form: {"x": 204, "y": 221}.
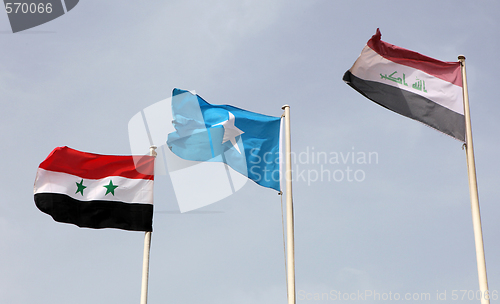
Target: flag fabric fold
{"x": 411, "y": 84}
{"x": 247, "y": 142}
{"x": 96, "y": 191}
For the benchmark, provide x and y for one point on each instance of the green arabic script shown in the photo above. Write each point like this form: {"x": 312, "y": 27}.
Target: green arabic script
{"x": 397, "y": 80}
{"x": 418, "y": 85}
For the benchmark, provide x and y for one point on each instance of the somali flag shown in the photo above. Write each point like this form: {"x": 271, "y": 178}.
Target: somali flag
{"x": 247, "y": 142}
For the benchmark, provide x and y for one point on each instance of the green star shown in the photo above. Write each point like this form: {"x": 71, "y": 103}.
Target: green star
{"x": 80, "y": 187}
{"x": 110, "y": 188}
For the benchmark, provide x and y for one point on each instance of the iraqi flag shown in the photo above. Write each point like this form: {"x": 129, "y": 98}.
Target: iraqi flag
{"x": 96, "y": 191}
{"x": 411, "y": 84}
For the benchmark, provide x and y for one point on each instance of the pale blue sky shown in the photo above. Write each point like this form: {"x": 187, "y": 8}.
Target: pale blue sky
{"x": 406, "y": 228}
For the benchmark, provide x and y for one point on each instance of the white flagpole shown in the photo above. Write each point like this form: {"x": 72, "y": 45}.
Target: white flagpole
{"x": 289, "y": 210}
{"x": 474, "y": 196}
{"x": 145, "y": 259}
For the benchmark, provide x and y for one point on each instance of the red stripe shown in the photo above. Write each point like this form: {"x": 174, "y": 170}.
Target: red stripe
{"x": 96, "y": 166}
{"x": 448, "y": 71}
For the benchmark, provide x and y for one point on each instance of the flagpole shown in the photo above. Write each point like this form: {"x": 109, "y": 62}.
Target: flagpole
{"x": 289, "y": 210}
{"x": 474, "y": 196}
{"x": 145, "y": 259}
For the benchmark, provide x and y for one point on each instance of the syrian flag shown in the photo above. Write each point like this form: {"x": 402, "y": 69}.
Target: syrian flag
{"x": 96, "y": 191}
{"x": 411, "y": 84}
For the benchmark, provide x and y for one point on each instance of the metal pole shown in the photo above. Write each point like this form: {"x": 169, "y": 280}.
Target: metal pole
{"x": 289, "y": 210}
{"x": 474, "y": 196}
{"x": 145, "y": 268}
{"x": 145, "y": 259}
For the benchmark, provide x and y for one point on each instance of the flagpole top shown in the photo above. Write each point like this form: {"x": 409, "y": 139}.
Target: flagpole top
{"x": 285, "y": 106}
{"x": 152, "y": 151}
{"x": 461, "y": 58}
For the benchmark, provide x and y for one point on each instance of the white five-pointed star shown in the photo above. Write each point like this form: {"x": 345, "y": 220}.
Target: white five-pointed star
{"x": 230, "y": 131}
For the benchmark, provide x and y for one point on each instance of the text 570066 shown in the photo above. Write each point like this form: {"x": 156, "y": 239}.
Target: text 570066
{"x": 28, "y": 8}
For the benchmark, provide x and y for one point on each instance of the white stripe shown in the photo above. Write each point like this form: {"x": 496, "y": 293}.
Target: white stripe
{"x": 64, "y": 6}
{"x": 129, "y": 190}
{"x": 370, "y": 65}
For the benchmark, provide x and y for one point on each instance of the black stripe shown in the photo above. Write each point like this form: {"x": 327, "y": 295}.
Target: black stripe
{"x": 410, "y": 105}
{"x": 96, "y": 214}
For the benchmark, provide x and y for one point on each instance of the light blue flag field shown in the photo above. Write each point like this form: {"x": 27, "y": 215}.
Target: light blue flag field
{"x": 247, "y": 142}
